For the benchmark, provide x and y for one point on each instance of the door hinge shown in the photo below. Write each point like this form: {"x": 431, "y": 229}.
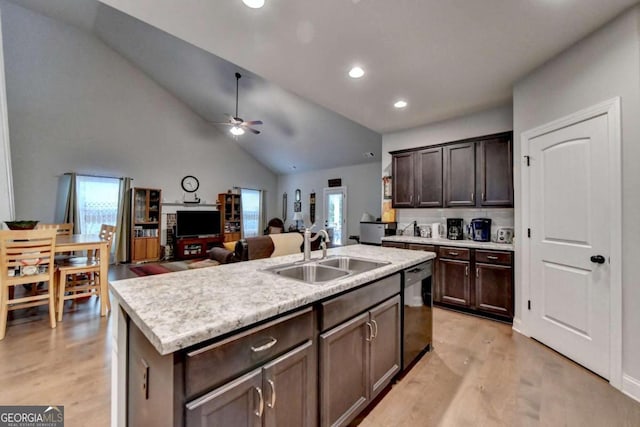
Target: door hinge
{"x": 528, "y": 159}
{"x": 529, "y": 304}
{"x": 528, "y": 232}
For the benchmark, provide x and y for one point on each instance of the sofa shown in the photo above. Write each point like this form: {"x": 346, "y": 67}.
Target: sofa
{"x": 259, "y": 247}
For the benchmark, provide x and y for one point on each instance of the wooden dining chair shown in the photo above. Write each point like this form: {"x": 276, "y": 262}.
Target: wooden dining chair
{"x": 80, "y": 277}
{"x": 26, "y": 257}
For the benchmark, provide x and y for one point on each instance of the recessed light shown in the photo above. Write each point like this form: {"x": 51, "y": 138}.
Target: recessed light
{"x": 400, "y": 104}
{"x": 236, "y": 131}
{"x": 253, "y": 4}
{"x": 356, "y": 72}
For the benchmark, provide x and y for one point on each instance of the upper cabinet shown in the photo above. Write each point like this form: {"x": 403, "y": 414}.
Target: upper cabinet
{"x": 476, "y": 172}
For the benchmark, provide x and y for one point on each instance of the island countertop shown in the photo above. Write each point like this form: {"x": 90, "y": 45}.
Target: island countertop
{"x": 181, "y": 309}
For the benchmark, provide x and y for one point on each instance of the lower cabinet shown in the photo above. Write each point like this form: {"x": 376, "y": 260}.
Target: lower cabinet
{"x": 455, "y": 286}
{"x": 494, "y": 289}
{"x": 278, "y": 394}
{"x": 358, "y": 358}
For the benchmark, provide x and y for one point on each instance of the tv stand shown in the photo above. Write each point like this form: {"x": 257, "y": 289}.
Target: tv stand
{"x": 195, "y": 247}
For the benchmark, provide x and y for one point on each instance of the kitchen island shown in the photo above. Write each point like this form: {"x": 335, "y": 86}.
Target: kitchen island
{"x": 176, "y": 318}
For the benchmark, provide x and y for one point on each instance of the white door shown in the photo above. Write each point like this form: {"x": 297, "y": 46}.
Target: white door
{"x": 570, "y": 242}
{"x": 335, "y": 214}
{"x": 6, "y": 178}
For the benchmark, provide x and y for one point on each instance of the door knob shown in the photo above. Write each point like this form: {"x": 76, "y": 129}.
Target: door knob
{"x": 599, "y": 259}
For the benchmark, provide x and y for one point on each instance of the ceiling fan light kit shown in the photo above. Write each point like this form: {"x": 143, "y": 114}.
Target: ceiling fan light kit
{"x": 253, "y": 4}
{"x": 239, "y": 125}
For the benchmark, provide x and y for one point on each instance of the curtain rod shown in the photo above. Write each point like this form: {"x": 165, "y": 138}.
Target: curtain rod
{"x": 96, "y": 176}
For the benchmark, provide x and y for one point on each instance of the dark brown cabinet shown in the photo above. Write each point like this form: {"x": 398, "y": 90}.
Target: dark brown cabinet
{"x": 358, "y": 359}
{"x": 455, "y": 286}
{"x": 494, "y": 172}
{"x": 477, "y": 172}
{"x": 279, "y": 394}
{"x": 418, "y": 179}
{"x": 460, "y": 175}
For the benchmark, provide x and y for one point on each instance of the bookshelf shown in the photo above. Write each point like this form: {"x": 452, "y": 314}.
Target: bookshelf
{"x": 145, "y": 224}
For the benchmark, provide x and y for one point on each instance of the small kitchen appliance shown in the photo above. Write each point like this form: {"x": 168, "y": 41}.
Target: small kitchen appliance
{"x": 504, "y": 235}
{"x": 437, "y": 230}
{"x": 481, "y": 229}
{"x": 372, "y": 232}
{"x": 455, "y": 231}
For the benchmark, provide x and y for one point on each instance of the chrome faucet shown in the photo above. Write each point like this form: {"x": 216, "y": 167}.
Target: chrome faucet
{"x": 308, "y": 240}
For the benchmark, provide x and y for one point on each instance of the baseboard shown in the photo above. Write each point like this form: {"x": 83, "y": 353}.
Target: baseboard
{"x": 631, "y": 387}
{"x": 517, "y": 326}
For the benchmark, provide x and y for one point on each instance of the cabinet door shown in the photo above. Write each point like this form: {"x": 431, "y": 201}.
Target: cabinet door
{"x": 344, "y": 374}
{"x": 428, "y": 178}
{"x": 385, "y": 345}
{"x": 152, "y": 249}
{"x": 494, "y": 289}
{"x": 455, "y": 286}
{"x": 460, "y": 174}
{"x": 289, "y": 385}
{"x": 495, "y": 172}
{"x": 239, "y": 403}
{"x": 403, "y": 180}
{"x": 139, "y": 251}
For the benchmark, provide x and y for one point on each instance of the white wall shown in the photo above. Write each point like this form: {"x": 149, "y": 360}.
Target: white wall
{"x": 602, "y": 66}
{"x": 363, "y": 193}
{"x": 6, "y": 186}
{"x": 76, "y": 105}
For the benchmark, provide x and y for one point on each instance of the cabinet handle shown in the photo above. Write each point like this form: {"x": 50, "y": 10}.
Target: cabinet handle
{"x": 453, "y": 253}
{"x": 415, "y": 270}
{"x": 273, "y": 394}
{"x": 492, "y": 257}
{"x": 419, "y": 195}
{"x": 264, "y": 347}
{"x": 375, "y": 335}
{"x": 466, "y": 271}
{"x": 260, "y": 402}
{"x": 370, "y": 337}
{"x": 473, "y": 197}
{"x": 411, "y": 198}
{"x": 477, "y": 272}
{"x": 482, "y": 196}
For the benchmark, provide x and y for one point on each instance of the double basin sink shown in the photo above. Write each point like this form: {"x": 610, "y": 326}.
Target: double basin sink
{"x": 324, "y": 270}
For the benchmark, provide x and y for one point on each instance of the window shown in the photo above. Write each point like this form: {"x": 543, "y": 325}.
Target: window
{"x": 251, "y": 202}
{"x": 97, "y": 199}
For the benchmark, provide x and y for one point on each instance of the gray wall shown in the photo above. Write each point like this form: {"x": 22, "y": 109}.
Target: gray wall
{"x": 76, "y": 105}
{"x": 363, "y": 193}
{"x": 600, "y": 67}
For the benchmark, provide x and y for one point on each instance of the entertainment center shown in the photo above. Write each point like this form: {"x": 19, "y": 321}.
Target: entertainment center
{"x": 196, "y": 232}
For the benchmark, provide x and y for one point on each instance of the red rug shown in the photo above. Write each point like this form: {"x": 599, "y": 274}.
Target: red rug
{"x": 168, "y": 267}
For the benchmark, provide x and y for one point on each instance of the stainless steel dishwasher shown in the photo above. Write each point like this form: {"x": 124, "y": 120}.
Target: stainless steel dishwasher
{"x": 417, "y": 312}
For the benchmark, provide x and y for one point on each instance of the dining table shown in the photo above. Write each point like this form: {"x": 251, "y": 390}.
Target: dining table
{"x": 94, "y": 246}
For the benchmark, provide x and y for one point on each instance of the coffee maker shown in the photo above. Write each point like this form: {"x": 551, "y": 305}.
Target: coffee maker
{"x": 481, "y": 229}
{"x": 455, "y": 230}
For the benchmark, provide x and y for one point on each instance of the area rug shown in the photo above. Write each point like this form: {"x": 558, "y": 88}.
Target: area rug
{"x": 168, "y": 267}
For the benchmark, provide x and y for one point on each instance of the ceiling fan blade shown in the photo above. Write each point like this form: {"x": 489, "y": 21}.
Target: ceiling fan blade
{"x": 257, "y": 132}
{"x": 222, "y": 123}
{"x": 252, "y": 122}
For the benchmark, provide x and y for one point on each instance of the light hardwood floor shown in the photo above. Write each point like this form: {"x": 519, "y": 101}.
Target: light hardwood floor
{"x": 480, "y": 374}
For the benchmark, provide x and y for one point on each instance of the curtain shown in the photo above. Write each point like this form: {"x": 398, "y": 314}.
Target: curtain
{"x": 123, "y": 221}
{"x": 71, "y": 212}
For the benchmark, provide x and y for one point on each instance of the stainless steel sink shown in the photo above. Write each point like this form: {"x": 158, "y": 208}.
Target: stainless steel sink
{"x": 325, "y": 270}
{"x": 354, "y": 265}
{"x": 310, "y": 273}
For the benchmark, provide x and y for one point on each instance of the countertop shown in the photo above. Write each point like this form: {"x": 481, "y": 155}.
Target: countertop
{"x": 447, "y": 242}
{"x": 181, "y": 309}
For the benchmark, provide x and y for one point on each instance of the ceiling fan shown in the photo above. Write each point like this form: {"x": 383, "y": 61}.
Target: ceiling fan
{"x": 239, "y": 125}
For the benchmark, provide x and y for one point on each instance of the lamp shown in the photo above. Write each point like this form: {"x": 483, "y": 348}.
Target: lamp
{"x": 297, "y": 216}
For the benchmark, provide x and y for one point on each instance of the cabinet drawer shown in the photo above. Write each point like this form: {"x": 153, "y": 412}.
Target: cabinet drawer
{"x": 341, "y": 308}
{"x": 393, "y": 245}
{"x": 421, "y": 247}
{"x": 454, "y": 253}
{"x": 214, "y": 364}
{"x": 493, "y": 257}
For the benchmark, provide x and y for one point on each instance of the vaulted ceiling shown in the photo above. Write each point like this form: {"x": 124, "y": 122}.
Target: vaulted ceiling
{"x": 445, "y": 57}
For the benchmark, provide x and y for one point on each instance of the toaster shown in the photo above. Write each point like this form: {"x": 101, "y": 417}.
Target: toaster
{"x": 504, "y": 235}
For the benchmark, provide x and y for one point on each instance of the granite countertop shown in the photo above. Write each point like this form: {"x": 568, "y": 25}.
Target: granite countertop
{"x": 181, "y": 309}
{"x": 447, "y": 242}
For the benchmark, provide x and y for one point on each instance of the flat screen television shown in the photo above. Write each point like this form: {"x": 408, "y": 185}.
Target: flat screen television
{"x": 197, "y": 223}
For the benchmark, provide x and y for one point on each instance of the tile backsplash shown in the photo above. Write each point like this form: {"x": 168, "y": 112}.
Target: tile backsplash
{"x": 424, "y": 217}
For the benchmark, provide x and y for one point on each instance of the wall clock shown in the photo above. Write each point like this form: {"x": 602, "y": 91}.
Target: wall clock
{"x": 190, "y": 183}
